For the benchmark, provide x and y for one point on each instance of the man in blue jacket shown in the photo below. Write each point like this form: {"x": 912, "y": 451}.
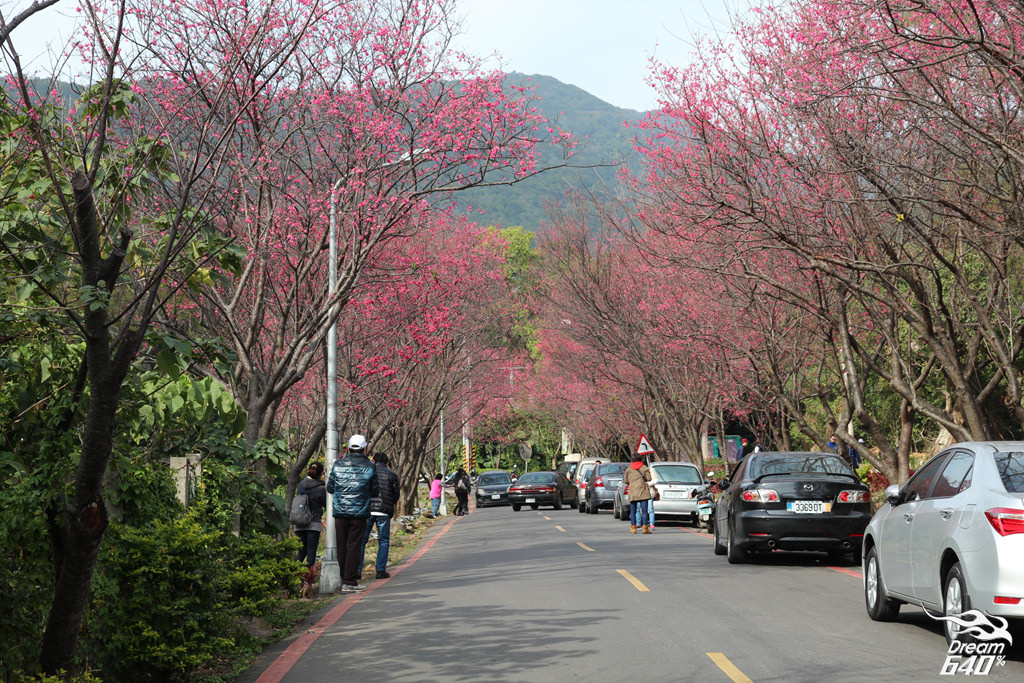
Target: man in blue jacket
{"x": 353, "y": 483}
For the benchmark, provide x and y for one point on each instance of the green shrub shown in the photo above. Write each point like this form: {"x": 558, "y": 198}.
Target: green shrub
{"x": 166, "y": 599}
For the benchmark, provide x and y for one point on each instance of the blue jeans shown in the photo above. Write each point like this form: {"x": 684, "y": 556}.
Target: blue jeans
{"x": 436, "y": 503}
{"x": 383, "y": 525}
{"x": 638, "y": 510}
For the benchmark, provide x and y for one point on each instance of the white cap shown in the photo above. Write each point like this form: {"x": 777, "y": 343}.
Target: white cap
{"x": 357, "y": 442}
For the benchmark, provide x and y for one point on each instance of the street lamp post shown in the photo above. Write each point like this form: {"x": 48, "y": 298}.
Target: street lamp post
{"x": 330, "y": 571}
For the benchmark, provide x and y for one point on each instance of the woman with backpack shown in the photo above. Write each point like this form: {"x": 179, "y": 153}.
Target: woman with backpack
{"x": 462, "y": 486}
{"x": 309, "y": 534}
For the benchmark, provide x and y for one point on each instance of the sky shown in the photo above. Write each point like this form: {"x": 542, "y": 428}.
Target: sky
{"x": 602, "y": 46}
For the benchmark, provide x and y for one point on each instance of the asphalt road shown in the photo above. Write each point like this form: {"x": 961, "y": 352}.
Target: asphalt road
{"x": 561, "y": 596}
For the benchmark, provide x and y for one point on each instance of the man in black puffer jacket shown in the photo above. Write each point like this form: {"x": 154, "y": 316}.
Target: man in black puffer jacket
{"x": 382, "y": 509}
{"x": 353, "y": 483}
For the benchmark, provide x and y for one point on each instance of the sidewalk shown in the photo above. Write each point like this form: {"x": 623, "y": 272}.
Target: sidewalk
{"x": 277, "y": 660}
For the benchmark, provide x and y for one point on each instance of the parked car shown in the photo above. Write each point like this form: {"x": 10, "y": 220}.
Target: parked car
{"x": 492, "y": 488}
{"x": 791, "y": 501}
{"x": 542, "y": 488}
{"x": 951, "y": 540}
{"x": 677, "y": 484}
{"x": 601, "y": 485}
{"x": 568, "y": 468}
{"x": 582, "y": 473}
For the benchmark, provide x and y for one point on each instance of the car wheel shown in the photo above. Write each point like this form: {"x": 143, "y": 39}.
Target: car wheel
{"x": 733, "y": 551}
{"x": 558, "y": 502}
{"x": 719, "y": 546}
{"x": 534, "y": 506}
{"x": 615, "y": 510}
{"x": 516, "y": 507}
{"x": 593, "y": 508}
{"x": 582, "y": 507}
{"x": 880, "y": 606}
{"x": 955, "y": 601}
{"x": 575, "y": 502}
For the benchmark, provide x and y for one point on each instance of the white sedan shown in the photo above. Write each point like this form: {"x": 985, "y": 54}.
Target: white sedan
{"x": 951, "y": 540}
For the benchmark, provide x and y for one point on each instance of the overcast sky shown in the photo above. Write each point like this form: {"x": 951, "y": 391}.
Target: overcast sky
{"x": 601, "y": 46}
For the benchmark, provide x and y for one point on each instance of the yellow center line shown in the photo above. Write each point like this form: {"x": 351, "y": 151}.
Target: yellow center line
{"x": 635, "y": 581}
{"x": 560, "y": 529}
{"x": 547, "y": 518}
{"x": 728, "y": 667}
{"x": 586, "y": 547}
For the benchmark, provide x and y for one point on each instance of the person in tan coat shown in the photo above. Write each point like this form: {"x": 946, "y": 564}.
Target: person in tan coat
{"x": 636, "y": 477}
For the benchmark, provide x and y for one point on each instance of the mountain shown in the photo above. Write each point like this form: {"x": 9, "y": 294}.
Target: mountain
{"x": 597, "y": 125}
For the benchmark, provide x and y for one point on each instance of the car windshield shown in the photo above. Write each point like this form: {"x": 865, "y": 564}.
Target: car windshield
{"x": 537, "y": 478}
{"x": 677, "y": 474}
{"x": 1011, "y": 469}
{"x": 799, "y": 463}
{"x": 491, "y": 478}
{"x": 612, "y": 468}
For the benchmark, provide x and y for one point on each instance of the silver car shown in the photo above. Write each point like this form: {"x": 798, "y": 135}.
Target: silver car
{"x": 677, "y": 483}
{"x": 951, "y": 540}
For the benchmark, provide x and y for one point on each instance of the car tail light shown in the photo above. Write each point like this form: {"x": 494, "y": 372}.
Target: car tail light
{"x": 1005, "y": 600}
{"x": 599, "y": 482}
{"x": 545, "y": 489}
{"x": 625, "y": 491}
{"x": 1006, "y": 521}
{"x": 760, "y": 496}
{"x": 853, "y": 496}
{"x": 583, "y": 484}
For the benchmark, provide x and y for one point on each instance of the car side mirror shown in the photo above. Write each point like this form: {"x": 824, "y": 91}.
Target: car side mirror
{"x": 892, "y": 494}
{"x": 723, "y": 484}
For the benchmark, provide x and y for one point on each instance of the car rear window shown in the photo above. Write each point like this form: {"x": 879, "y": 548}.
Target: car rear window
{"x": 1011, "y": 470}
{"x": 490, "y": 478}
{"x": 612, "y": 468}
{"x": 677, "y": 474}
{"x": 584, "y": 472}
{"x": 536, "y": 478}
{"x": 811, "y": 463}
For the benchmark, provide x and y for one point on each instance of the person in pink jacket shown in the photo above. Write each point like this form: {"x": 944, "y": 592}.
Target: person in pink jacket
{"x": 435, "y": 493}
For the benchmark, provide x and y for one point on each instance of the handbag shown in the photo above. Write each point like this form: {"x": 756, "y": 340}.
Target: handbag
{"x": 656, "y": 496}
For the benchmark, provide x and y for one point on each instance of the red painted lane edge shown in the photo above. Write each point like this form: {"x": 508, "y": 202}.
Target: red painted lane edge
{"x": 856, "y": 575}
{"x": 283, "y": 664}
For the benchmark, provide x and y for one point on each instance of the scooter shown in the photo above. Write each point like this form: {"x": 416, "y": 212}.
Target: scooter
{"x": 705, "y": 505}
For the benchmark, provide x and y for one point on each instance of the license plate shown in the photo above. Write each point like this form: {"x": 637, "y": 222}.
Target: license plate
{"x": 495, "y": 496}
{"x": 674, "y": 494}
{"x": 531, "y": 500}
{"x": 809, "y": 506}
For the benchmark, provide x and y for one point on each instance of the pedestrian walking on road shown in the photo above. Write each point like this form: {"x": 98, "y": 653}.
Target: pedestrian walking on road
{"x": 636, "y": 477}
{"x": 435, "y": 494}
{"x": 382, "y": 510}
{"x": 462, "y": 486}
{"x": 309, "y": 534}
{"x": 353, "y": 482}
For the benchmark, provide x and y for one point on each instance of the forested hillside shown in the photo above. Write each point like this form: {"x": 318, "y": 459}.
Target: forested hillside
{"x": 603, "y": 140}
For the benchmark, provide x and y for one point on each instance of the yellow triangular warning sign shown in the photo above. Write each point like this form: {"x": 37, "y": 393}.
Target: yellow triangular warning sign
{"x": 643, "y": 448}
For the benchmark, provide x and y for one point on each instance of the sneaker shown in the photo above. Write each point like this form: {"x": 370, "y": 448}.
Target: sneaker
{"x": 349, "y": 588}
{"x": 383, "y": 575}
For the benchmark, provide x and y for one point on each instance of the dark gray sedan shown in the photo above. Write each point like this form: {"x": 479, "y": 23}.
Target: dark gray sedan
{"x": 492, "y": 488}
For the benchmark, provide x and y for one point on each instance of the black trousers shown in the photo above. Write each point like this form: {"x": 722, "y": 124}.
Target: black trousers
{"x": 462, "y": 507}
{"x": 350, "y": 532}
